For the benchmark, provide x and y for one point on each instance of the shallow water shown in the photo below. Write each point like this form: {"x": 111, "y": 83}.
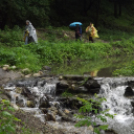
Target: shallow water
{"x": 96, "y": 68}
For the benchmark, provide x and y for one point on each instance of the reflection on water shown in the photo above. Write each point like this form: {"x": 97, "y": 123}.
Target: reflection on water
{"x": 102, "y": 67}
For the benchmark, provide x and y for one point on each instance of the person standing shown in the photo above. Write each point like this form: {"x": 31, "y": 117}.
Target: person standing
{"x": 78, "y": 32}
{"x": 30, "y": 33}
{"x": 92, "y": 32}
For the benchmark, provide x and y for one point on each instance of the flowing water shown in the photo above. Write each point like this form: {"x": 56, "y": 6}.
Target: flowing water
{"x": 112, "y": 89}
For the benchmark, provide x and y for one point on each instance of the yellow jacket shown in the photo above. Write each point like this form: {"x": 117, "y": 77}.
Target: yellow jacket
{"x": 92, "y": 32}
{"x": 26, "y": 34}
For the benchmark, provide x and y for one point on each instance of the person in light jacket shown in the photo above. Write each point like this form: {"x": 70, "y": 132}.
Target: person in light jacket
{"x": 30, "y": 33}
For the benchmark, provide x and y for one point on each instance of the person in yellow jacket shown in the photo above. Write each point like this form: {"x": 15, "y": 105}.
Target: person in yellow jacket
{"x": 91, "y": 32}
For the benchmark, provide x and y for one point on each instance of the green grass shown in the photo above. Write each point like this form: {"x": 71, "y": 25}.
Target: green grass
{"x": 55, "y": 49}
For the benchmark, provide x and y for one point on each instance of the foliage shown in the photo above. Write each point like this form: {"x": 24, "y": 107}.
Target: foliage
{"x": 16, "y": 12}
{"x": 20, "y": 57}
{"x": 61, "y": 51}
{"x": 89, "y": 107}
{"x": 66, "y": 94}
{"x": 125, "y": 71}
{"x": 7, "y": 120}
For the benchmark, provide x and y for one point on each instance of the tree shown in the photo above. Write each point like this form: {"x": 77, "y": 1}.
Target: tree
{"x": 16, "y": 12}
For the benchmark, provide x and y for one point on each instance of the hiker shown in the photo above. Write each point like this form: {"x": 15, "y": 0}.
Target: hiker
{"x": 92, "y": 32}
{"x": 30, "y": 33}
{"x": 78, "y": 32}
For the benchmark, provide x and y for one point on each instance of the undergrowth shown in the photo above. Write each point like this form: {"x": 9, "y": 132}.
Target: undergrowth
{"x": 62, "y": 51}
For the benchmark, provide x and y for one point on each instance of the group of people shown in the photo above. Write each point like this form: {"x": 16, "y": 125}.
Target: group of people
{"x": 31, "y": 36}
{"x": 91, "y": 32}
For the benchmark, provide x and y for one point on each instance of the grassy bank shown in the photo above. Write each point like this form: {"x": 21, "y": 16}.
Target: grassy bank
{"x": 56, "y": 48}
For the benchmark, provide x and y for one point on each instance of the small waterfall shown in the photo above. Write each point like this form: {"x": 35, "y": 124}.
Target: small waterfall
{"x": 111, "y": 88}
{"x": 123, "y": 122}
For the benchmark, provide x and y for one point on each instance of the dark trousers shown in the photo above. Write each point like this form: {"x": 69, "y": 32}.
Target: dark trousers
{"x": 78, "y": 37}
{"x": 91, "y": 39}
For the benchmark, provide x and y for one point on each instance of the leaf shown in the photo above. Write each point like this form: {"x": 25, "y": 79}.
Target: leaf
{"x": 5, "y": 113}
{"x": 81, "y": 123}
{"x": 96, "y": 130}
{"x": 11, "y": 108}
{"x": 103, "y": 127}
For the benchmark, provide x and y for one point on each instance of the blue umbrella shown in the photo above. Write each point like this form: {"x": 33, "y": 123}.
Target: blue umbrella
{"x": 74, "y": 24}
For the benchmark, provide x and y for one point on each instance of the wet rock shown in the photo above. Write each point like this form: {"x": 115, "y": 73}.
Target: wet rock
{"x": 67, "y": 118}
{"x": 44, "y": 110}
{"x": 72, "y": 103}
{"x": 131, "y": 84}
{"x": 30, "y": 104}
{"x": 43, "y": 83}
{"x": 132, "y": 103}
{"x": 20, "y": 102}
{"x": 26, "y": 92}
{"x": 128, "y": 92}
{"x": 92, "y": 85}
{"x": 50, "y": 117}
{"x": 44, "y": 102}
{"x": 18, "y": 90}
{"x": 74, "y": 89}
{"x": 61, "y": 87}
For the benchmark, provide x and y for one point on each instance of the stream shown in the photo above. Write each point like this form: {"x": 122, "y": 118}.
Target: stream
{"x": 43, "y": 93}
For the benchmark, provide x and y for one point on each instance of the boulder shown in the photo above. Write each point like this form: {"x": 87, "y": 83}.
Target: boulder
{"x": 92, "y": 85}
{"x": 72, "y": 103}
{"x": 49, "y": 116}
{"x": 130, "y": 84}
{"x": 26, "y": 92}
{"x": 18, "y": 90}
{"x": 6, "y": 67}
{"x": 128, "y": 92}
{"x": 44, "y": 102}
{"x": 61, "y": 87}
{"x": 74, "y": 89}
{"x": 30, "y": 104}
